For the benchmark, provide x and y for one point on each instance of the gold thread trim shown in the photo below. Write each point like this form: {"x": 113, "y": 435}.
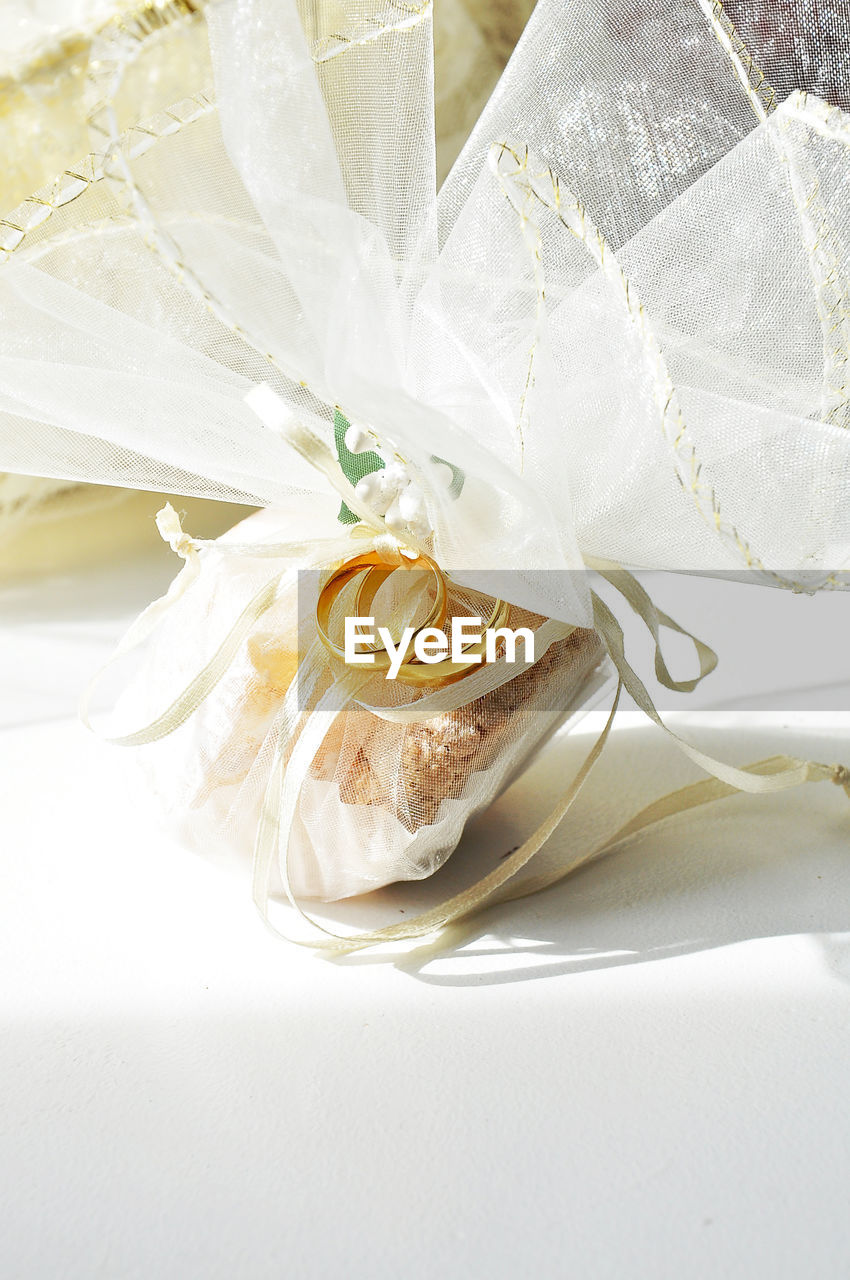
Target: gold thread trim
{"x": 531, "y": 236}
{"x": 399, "y": 16}
{"x": 138, "y": 24}
{"x": 832, "y": 296}
{"x": 150, "y": 17}
{"x": 158, "y": 14}
{"x": 73, "y": 183}
{"x": 120, "y": 43}
{"x": 544, "y": 186}
{"x": 760, "y": 93}
{"x": 831, "y": 122}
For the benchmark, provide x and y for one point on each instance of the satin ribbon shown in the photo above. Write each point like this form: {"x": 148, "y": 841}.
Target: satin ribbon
{"x": 297, "y": 734}
{"x": 771, "y": 775}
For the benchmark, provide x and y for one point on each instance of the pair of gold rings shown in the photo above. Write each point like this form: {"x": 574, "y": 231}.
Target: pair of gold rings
{"x": 374, "y": 569}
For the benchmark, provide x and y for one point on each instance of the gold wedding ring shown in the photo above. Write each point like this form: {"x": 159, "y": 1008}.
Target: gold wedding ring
{"x": 369, "y": 563}
{"x": 374, "y": 570}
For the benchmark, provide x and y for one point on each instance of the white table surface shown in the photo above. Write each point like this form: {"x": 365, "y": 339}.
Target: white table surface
{"x": 642, "y": 1073}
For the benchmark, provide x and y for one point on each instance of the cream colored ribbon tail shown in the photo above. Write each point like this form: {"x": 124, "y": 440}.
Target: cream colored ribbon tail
{"x": 276, "y": 822}
{"x": 649, "y": 613}
{"x": 696, "y": 794}
{"x": 200, "y": 687}
{"x": 611, "y": 633}
{"x": 775, "y": 774}
{"x": 497, "y": 887}
{"x": 297, "y": 735}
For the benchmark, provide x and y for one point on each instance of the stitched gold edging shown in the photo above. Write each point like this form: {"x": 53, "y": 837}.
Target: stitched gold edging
{"x": 138, "y": 23}
{"x": 73, "y": 183}
{"x": 544, "y": 186}
{"x": 830, "y": 122}
{"x": 145, "y": 20}
{"x": 531, "y": 235}
{"x": 398, "y": 16}
{"x": 832, "y": 293}
{"x": 759, "y": 91}
{"x": 158, "y": 14}
{"x": 119, "y": 42}
{"x": 832, "y": 298}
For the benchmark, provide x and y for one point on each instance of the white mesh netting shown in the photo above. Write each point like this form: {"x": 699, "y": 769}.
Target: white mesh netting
{"x": 629, "y": 330}
{"x": 624, "y": 319}
{"x": 49, "y": 81}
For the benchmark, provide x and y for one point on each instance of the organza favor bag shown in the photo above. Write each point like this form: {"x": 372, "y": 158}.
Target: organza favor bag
{"x": 617, "y": 337}
{"x": 391, "y": 781}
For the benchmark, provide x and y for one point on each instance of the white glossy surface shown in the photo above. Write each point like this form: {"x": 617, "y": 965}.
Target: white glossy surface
{"x": 642, "y": 1073}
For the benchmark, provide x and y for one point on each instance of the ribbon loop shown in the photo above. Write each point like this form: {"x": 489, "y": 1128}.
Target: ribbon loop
{"x": 741, "y": 779}
{"x": 654, "y": 618}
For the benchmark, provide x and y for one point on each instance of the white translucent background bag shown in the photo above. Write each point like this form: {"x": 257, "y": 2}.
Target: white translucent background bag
{"x": 624, "y": 317}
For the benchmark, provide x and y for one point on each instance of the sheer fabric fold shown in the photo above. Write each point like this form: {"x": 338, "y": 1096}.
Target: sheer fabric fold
{"x": 624, "y": 318}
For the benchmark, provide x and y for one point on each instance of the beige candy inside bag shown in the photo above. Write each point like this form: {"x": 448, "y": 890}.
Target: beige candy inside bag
{"x": 381, "y": 801}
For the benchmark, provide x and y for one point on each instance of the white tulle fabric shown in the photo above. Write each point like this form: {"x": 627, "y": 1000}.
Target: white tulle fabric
{"x": 624, "y": 317}
{"x": 381, "y": 799}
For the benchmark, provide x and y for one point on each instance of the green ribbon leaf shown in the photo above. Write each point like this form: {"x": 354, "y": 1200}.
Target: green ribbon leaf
{"x": 357, "y": 465}
{"x": 354, "y": 465}
{"x": 458, "y": 476}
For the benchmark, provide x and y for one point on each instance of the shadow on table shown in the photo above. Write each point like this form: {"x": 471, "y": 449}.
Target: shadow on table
{"x": 745, "y": 868}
